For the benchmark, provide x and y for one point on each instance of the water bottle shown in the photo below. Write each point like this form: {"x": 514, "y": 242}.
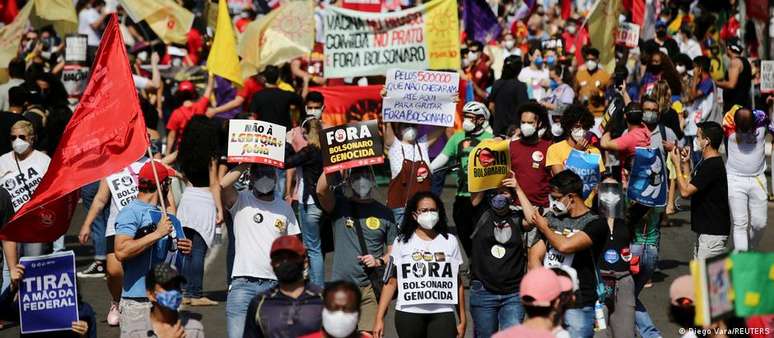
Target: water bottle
{"x": 599, "y": 316}
{"x": 218, "y": 235}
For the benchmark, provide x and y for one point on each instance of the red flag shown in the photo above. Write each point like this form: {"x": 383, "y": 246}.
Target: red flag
{"x": 638, "y": 11}
{"x": 8, "y": 11}
{"x": 344, "y": 104}
{"x": 106, "y": 133}
{"x": 566, "y": 6}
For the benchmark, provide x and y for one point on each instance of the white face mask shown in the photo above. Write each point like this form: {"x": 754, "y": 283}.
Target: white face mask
{"x": 472, "y": 56}
{"x": 680, "y": 69}
{"x": 176, "y": 62}
{"x": 427, "y": 220}
{"x": 314, "y": 112}
{"x": 556, "y": 129}
{"x": 264, "y": 185}
{"x": 20, "y": 146}
{"x": 409, "y": 134}
{"x": 361, "y": 186}
{"x": 571, "y": 29}
{"x": 577, "y": 134}
{"x": 468, "y": 125}
{"x": 339, "y": 324}
{"x": 508, "y": 44}
{"x": 696, "y": 144}
{"x": 591, "y": 65}
{"x": 527, "y": 129}
{"x": 557, "y": 207}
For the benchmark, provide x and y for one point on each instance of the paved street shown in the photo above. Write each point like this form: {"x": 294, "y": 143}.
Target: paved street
{"x": 676, "y": 248}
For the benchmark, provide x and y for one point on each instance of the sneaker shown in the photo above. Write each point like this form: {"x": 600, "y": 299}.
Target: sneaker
{"x": 95, "y": 270}
{"x": 113, "y": 315}
{"x": 203, "y": 301}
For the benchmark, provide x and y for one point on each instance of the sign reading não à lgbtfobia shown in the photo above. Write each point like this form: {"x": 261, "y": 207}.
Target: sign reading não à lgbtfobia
{"x": 488, "y": 164}
{"x": 256, "y": 142}
{"x": 48, "y": 297}
{"x": 420, "y": 97}
{"x": 352, "y": 145}
{"x": 427, "y": 278}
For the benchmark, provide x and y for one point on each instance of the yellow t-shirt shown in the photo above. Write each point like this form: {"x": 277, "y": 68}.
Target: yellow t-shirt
{"x": 558, "y": 153}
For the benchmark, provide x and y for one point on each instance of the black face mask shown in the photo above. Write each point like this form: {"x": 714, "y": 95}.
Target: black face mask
{"x": 661, "y": 34}
{"x": 655, "y": 68}
{"x": 289, "y": 272}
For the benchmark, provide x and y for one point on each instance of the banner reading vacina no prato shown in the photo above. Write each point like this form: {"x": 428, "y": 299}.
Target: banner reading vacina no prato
{"x": 256, "y": 142}
{"x": 362, "y": 44}
{"x": 421, "y": 97}
{"x": 352, "y": 145}
{"x": 48, "y": 298}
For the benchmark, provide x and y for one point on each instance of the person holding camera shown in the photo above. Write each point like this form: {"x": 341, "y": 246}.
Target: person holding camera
{"x": 139, "y": 241}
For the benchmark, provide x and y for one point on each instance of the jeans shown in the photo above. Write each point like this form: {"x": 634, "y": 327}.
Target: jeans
{"x": 648, "y": 260}
{"x": 100, "y": 222}
{"x": 748, "y": 201}
{"x": 437, "y": 181}
{"x": 193, "y": 264}
{"x": 310, "y": 216}
{"x": 493, "y": 312}
{"x": 580, "y": 322}
{"x": 231, "y": 249}
{"x": 241, "y": 292}
{"x": 398, "y": 213}
{"x": 279, "y": 189}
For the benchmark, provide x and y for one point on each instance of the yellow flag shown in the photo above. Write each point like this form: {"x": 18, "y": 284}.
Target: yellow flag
{"x": 223, "y": 60}
{"x": 59, "y": 13}
{"x": 170, "y": 21}
{"x": 11, "y": 34}
{"x": 284, "y": 34}
{"x": 602, "y": 23}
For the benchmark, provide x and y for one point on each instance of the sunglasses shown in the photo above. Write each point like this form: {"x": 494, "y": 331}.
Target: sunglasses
{"x": 14, "y": 137}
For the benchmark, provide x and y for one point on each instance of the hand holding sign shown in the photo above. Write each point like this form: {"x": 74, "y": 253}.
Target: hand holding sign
{"x": 420, "y": 97}
{"x": 353, "y": 145}
{"x": 510, "y": 181}
{"x": 256, "y": 142}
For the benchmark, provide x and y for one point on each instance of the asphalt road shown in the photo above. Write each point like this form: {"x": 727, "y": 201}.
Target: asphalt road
{"x": 676, "y": 250}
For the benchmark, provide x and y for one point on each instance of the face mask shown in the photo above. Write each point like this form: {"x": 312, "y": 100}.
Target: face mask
{"x": 361, "y": 186}
{"x": 427, "y": 220}
{"x": 571, "y": 29}
{"x": 557, "y": 207}
{"x": 539, "y": 61}
{"x": 553, "y": 84}
{"x": 20, "y": 146}
{"x": 550, "y": 60}
{"x": 527, "y": 129}
{"x": 177, "y": 62}
{"x": 500, "y": 202}
{"x": 472, "y": 57}
{"x": 314, "y": 112}
{"x": 655, "y": 68}
{"x": 465, "y": 63}
{"x": 591, "y": 65}
{"x": 170, "y": 299}
{"x": 409, "y": 134}
{"x": 577, "y": 134}
{"x": 680, "y": 69}
{"x": 264, "y": 185}
{"x": 143, "y": 56}
{"x": 508, "y": 44}
{"x": 661, "y": 34}
{"x": 468, "y": 125}
{"x": 556, "y": 130}
{"x": 697, "y": 144}
{"x": 650, "y": 117}
{"x": 339, "y": 324}
{"x": 289, "y": 272}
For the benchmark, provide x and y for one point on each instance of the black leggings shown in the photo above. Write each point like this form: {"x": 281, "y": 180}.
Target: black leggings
{"x": 431, "y": 325}
{"x": 463, "y": 212}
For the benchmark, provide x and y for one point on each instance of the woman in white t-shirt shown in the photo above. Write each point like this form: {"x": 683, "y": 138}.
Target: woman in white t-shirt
{"x": 424, "y": 269}
{"x": 535, "y": 76}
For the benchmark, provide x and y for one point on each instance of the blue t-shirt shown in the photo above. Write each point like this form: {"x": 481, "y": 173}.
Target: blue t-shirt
{"x": 134, "y": 216}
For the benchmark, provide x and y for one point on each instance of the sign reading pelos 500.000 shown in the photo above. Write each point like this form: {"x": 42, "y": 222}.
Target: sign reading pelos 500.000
{"x": 256, "y": 142}
{"x": 352, "y": 145}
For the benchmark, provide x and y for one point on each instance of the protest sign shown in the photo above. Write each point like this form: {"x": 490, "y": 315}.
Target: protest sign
{"x": 75, "y": 78}
{"x": 647, "y": 181}
{"x": 21, "y": 184}
{"x": 48, "y": 297}
{"x": 586, "y": 166}
{"x": 767, "y": 76}
{"x": 345, "y": 104}
{"x": 488, "y": 164}
{"x": 427, "y": 278}
{"x": 123, "y": 184}
{"x": 552, "y": 44}
{"x": 353, "y": 145}
{"x": 628, "y": 34}
{"x": 256, "y": 142}
{"x": 753, "y": 276}
{"x": 362, "y": 44}
{"x": 714, "y": 277}
{"x": 420, "y": 97}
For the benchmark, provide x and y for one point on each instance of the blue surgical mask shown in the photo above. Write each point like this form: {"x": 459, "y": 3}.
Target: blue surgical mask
{"x": 499, "y": 201}
{"x": 551, "y": 60}
{"x": 539, "y": 61}
{"x": 170, "y": 299}
{"x": 553, "y": 84}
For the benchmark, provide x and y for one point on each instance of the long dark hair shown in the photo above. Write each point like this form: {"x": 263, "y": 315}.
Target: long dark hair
{"x": 410, "y": 225}
{"x": 198, "y": 147}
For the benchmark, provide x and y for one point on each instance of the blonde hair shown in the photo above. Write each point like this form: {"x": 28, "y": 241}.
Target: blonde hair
{"x": 663, "y": 95}
{"x": 24, "y": 125}
{"x": 313, "y": 128}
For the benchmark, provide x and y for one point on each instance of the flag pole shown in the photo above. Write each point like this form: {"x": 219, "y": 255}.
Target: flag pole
{"x": 158, "y": 184}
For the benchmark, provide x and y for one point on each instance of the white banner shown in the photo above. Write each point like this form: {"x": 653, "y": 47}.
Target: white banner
{"x": 420, "y": 97}
{"x": 256, "y": 142}
{"x": 427, "y": 278}
{"x": 628, "y": 34}
{"x": 767, "y": 76}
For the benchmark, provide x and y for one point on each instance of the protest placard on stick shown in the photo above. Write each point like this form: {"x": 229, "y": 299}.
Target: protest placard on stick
{"x": 256, "y": 142}
{"x": 488, "y": 164}
{"x": 420, "y": 97}
{"x": 48, "y": 296}
{"x": 767, "y": 76}
{"x": 352, "y": 145}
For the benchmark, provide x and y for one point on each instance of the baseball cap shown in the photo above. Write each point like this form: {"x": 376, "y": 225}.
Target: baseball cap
{"x": 146, "y": 172}
{"x": 735, "y": 45}
{"x": 539, "y": 287}
{"x": 185, "y": 86}
{"x": 574, "y": 282}
{"x": 165, "y": 275}
{"x": 289, "y": 243}
{"x": 682, "y": 290}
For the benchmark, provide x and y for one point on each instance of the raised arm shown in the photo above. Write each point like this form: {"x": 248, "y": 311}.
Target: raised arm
{"x": 325, "y": 194}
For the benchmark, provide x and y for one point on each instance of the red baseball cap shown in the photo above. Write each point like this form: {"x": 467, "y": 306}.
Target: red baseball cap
{"x": 289, "y": 243}
{"x": 539, "y": 287}
{"x": 185, "y": 86}
{"x": 146, "y": 172}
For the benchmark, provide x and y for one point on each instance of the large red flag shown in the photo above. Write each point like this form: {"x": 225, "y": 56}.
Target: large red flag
{"x": 106, "y": 133}
{"x": 8, "y": 11}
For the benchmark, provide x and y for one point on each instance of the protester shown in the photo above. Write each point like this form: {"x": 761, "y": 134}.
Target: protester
{"x": 363, "y": 235}
{"x": 409, "y": 166}
{"x": 272, "y": 104}
{"x": 476, "y": 68}
{"x": 736, "y": 86}
{"x": 292, "y": 308}
{"x": 17, "y": 101}
{"x": 702, "y": 101}
{"x": 535, "y": 75}
{"x": 191, "y": 104}
{"x": 424, "y": 235}
{"x": 16, "y": 69}
{"x": 259, "y": 218}
{"x": 590, "y": 81}
{"x": 506, "y": 96}
{"x": 528, "y": 154}
{"x": 561, "y": 94}
{"x": 341, "y": 311}
{"x": 540, "y": 293}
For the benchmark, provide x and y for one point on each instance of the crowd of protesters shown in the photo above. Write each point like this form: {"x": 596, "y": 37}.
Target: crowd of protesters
{"x": 539, "y": 256}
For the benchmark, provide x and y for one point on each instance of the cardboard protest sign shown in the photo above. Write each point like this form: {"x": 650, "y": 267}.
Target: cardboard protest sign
{"x": 647, "y": 181}
{"x": 715, "y": 288}
{"x": 362, "y": 44}
{"x": 752, "y": 274}
{"x": 488, "y": 164}
{"x": 256, "y": 142}
{"x": 48, "y": 297}
{"x": 420, "y": 97}
{"x": 767, "y": 76}
{"x": 628, "y": 34}
{"x": 352, "y": 145}
{"x": 427, "y": 278}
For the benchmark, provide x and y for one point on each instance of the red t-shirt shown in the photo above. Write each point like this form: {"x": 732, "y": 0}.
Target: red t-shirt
{"x": 528, "y": 162}
{"x": 628, "y": 142}
{"x": 180, "y": 116}
{"x": 250, "y": 87}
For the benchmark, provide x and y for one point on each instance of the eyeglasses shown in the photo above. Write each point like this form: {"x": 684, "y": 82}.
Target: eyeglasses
{"x": 422, "y": 210}
{"x": 14, "y": 137}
